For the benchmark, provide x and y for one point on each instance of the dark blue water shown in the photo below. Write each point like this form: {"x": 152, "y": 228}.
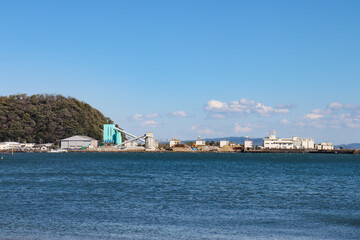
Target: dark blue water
{"x": 179, "y": 196}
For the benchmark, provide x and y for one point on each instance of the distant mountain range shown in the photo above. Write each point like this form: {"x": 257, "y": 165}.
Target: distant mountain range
{"x": 349, "y": 146}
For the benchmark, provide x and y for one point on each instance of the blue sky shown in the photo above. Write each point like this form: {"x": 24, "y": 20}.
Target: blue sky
{"x": 187, "y": 68}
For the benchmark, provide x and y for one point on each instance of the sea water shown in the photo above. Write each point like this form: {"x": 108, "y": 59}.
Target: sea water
{"x": 179, "y": 196}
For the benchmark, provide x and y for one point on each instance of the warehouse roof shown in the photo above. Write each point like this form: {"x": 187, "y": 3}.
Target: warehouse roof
{"x": 79, "y": 138}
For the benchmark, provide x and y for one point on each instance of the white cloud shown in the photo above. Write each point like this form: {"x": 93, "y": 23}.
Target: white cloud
{"x": 214, "y": 105}
{"x": 206, "y": 131}
{"x": 138, "y": 117}
{"x": 335, "y": 105}
{"x": 287, "y": 106}
{"x": 151, "y": 115}
{"x": 320, "y": 111}
{"x": 352, "y": 122}
{"x": 313, "y": 116}
{"x": 285, "y": 121}
{"x": 244, "y": 106}
{"x": 141, "y": 117}
{"x": 300, "y": 124}
{"x": 150, "y": 123}
{"x": 336, "y": 115}
{"x": 317, "y": 124}
{"x": 218, "y": 116}
{"x": 178, "y": 114}
{"x": 202, "y": 130}
{"x": 241, "y": 129}
{"x": 351, "y": 106}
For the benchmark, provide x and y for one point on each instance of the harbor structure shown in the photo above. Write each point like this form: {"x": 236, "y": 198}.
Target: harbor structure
{"x": 272, "y": 142}
{"x": 224, "y": 143}
{"x": 78, "y": 142}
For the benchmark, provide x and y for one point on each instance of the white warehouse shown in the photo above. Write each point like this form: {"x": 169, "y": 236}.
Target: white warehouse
{"x": 77, "y": 142}
{"x": 272, "y": 142}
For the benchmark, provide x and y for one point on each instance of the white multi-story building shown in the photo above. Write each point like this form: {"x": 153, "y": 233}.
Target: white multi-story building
{"x": 200, "y": 142}
{"x": 224, "y": 143}
{"x": 272, "y": 142}
{"x": 303, "y": 143}
{"x": 174, "y": 142}
{"x": 248, "y": 144}
{"x": 324, "y": 146}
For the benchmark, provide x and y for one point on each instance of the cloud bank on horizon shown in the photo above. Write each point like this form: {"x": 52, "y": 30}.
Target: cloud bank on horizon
{"x": 335, "y": 116}
{"x": 218, "y": 109}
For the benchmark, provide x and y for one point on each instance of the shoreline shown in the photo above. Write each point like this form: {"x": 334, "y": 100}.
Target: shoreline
{"x": 337, "y": 151}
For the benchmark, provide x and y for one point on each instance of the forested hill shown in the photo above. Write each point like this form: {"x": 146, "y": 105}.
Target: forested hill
{"x": 47, "y": 118}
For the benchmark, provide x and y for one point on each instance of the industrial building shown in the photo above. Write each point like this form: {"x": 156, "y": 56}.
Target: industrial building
{"x": 78, "y": 142}
{"x": 112, "y": 135}
{"x": 272, "y": 142}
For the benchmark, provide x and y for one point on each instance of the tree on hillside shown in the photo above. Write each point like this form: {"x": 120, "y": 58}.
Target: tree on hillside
{"x": 48, "y": 118}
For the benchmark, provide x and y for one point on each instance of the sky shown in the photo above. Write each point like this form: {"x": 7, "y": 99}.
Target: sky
{"x": 183, "y": 69}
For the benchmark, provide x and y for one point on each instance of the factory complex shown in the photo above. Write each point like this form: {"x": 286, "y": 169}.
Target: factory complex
{"x": 116, "y": 139}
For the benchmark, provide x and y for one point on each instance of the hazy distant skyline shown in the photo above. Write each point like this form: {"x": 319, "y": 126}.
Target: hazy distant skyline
{"x": 186, "y": 68}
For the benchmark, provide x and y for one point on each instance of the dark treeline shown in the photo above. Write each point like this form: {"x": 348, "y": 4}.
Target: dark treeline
{"x": 47, "y": 118}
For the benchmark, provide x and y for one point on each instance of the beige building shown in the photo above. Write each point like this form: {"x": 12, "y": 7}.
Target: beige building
{"x": 174, "y": 142}
{"x": 224, "y": 143}
{"x": 324, "y": 146}
{"x": 272, "y": 142}
{"x": 248, "y": 144}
